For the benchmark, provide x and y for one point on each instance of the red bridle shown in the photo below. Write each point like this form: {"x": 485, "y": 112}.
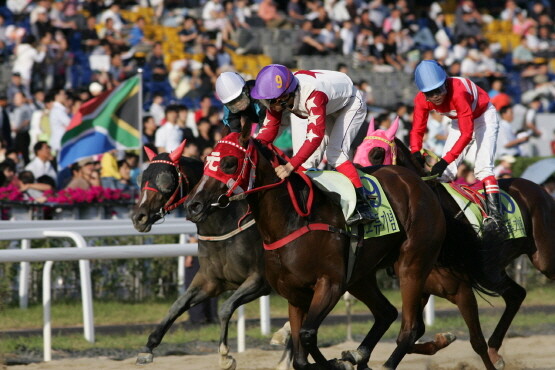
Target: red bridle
{"x": 171, "y": 204}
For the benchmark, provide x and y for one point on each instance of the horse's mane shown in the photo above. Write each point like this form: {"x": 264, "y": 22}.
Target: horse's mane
{"x": 461, "y": 249}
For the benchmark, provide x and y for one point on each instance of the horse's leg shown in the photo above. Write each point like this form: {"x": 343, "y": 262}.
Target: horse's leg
{"x": 326, "y": 295}
{"x": 513, "y": 295}
{"x": 300, "y": 357}
{"x": 384, "y": 313}
{"x": 460, "y": 294}
{"x": 253, "y": 287}
{"x": 201, "y": 289}
{"x": 413, "y": 271}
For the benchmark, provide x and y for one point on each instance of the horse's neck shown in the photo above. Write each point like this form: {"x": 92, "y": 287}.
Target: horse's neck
{"x": 404, "y": 158}
{"x": 225, "y": 220}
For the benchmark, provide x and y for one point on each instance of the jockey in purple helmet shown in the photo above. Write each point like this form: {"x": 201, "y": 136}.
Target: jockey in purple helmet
{"x": 335, "y": 111}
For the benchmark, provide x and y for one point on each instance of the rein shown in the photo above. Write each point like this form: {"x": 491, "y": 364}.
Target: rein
{"x": 170, "y": 204}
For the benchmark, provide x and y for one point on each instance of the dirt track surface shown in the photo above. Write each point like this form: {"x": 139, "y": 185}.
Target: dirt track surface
{"x": 536, "y": 352}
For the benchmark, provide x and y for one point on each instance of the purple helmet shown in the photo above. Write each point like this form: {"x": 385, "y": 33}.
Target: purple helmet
{"x": 273, "y": 81}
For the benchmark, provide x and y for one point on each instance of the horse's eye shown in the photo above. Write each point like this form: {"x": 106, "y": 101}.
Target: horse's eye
{"x": 228, "y": 165}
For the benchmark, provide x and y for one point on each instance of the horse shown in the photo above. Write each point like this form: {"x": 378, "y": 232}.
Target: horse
{"x": 307, "y": 245}
{"x": 538, "y": 211}
{"x": 229, "y": 247}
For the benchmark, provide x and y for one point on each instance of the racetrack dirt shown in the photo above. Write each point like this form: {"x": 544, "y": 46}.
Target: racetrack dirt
{"x": 535, "y": 352}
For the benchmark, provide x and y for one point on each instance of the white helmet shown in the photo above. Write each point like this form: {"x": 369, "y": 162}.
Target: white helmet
{"x": 229, "y": 86}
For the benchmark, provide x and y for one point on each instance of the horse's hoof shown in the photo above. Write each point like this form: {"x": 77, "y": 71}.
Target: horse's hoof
{"x": 228, "y": 363}
{"x": 144, "y": 358}
{"x": 442, "y": 340}
{"x": 340, "y": 365}
{"x": 500, "y": 364}
{"x": 353, "y": 356}
{"x": 279, "y": 338}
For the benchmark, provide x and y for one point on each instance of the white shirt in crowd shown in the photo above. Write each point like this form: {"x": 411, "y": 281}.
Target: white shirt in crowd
{"x": 168, "y": 136}
{"x": 59, "y": 120}
{"x": 40, "y": 168}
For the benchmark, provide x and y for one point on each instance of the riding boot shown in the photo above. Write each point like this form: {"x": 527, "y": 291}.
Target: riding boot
{"x": 363, "y": 212}
{"x": 493, "y": 203}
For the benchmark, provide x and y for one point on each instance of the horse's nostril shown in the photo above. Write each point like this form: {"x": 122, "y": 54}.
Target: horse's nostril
{"x": 141, "y": 218}
{"x": 194, "y": 208}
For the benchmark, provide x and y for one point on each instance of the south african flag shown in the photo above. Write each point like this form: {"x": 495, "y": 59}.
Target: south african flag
{"x": 109, "y": 121}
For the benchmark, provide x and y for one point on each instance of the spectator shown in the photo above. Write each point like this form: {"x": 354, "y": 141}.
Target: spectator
{"x": 210, "y": 69}
{"x": 188, "y": 35}
{"x": 16, "y": 85}
{"x": 59, "y": 118}
{"x": 42, "y": 163}
{"x": 109, "y": 170}
{"x": 499, "y": 98}
{"x": 347, "y": 37}
{"x": 530, "y": 118}
{"x": 82, "y": 175}
{"x": 309, "y": 45}
{"x": 89, "y": 37}
{"x": 268, "y": 12}
{"x": 295, "y": 12}
{"x": 157, "y": 109}
{"x": 183, "y": 120}
{"x": 468, "y": 21}
{"x": 204, "y": 110}
{"x": 125, "y": 182}
{"x": 214, "y": 18}
{"x": 149, "y": 130}
{"x": 8, "y": 173}
{"x": 26, "y": 55}
{"x": 204, "y": 138}
{"x": 20, "y": 118}
{"x": 137, "y": 34}
{"x": 169, "y": 136}
{"x": 32, "y": 189}
{"x": 507, "y": 141}
{"x": 505, "y": 167}
{"x": 390, "y": 53}
{"x": 113, "y": 13}
{"x": 438, "y": 129}
{"x": 5, "y": 124}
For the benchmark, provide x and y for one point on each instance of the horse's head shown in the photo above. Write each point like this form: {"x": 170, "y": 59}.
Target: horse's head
{"x": 228, "y": 170}
{"x": 162, "y": 185}
{"x": 378, "y": 147}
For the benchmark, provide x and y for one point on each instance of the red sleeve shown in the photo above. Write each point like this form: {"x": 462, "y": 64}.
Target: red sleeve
{"x": 462, "y": 103}
{"x": 419, "y": 122}
{"x": 316, "y": 129}
{"x": 270, "y": 127}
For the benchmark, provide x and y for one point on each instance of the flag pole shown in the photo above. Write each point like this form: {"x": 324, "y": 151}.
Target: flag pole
{"x": 140, "y": 72}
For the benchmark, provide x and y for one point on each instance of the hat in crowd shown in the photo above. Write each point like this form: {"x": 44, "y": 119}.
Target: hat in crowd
{"x": 508, "y": 158}
{"x": 85, "y": 161}
{"x": 540, "y": 79}
{"x": 95, "y": 88}
{"x": 16, "y": 74}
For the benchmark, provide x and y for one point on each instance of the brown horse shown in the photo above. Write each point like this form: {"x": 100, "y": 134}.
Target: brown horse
{"x": 229, "y": 247}
{"x": 307, "y": 247}
{"x": 538, "y": 211}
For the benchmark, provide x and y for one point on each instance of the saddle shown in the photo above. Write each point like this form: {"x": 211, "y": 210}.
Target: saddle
{"x": 472, "y": 202}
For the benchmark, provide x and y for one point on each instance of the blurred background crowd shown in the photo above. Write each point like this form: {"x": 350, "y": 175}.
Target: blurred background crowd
{"x": 56, "y": 55}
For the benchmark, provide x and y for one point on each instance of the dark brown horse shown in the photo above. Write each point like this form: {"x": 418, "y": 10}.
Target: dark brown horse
{"x": 229, "y": 247}
{"x": 538, "y": 211}
{"x": 307, "y": 248}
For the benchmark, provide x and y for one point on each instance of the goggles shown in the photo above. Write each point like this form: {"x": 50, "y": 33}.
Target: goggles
{"x": 439, "y": 91}
{"x": 238, "y": 104}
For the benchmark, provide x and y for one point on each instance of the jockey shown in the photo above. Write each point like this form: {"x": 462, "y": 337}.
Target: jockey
{"x": 335, "y": 111}
{"x": 473, "y": 117}
{"x": 233, "y": 92}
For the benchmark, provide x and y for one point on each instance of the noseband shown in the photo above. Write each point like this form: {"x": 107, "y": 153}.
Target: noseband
{"x": 172, "y": 203}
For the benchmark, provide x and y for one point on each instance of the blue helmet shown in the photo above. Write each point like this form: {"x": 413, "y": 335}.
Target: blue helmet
{"x": 429, "y": 75}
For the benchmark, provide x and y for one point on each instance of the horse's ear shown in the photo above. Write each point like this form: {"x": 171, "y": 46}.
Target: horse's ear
{"x": 178, "y": 152}
{"x": 370, "y": 127}
{"x": 245, "y": 133}
{"x": 149, "y": 153}
{"x": 392, "y": 130}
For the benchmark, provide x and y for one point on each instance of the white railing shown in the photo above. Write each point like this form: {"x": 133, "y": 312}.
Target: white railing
{"x": 77, "y": 231}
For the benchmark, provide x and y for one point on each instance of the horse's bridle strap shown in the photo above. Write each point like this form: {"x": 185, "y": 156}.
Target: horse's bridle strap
{"x": 228, "y": 235}
{"x": 300, "y": 232}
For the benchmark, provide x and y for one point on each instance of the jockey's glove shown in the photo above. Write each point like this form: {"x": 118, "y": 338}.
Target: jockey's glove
{"x": 439, "y": 167}
{"x": 418, "y": 157}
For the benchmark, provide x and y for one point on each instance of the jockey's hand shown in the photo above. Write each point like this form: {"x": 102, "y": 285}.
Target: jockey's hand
{"x": 439, "y": 167}
{"x": 284, "y": 170}
{"x": 418, "y": 157}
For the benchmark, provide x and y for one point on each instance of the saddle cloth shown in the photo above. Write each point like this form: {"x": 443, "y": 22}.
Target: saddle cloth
{"x": 471, "y": 202}
{"x": 336, "y": 182}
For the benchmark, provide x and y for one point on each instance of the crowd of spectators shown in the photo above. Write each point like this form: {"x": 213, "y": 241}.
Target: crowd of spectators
{"x": 55, "y": 55}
